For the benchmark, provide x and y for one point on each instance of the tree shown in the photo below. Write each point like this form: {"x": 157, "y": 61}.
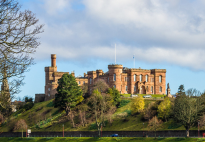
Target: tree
{"x": 138, "y": 104}
{"x": 100, "y": 85}
{"x": 149, "y": 112}
{"x": 187, "y": 109}
{"x": 100, "y": 104}
{"x": 115, "y": 95}
{"x": 18, "y": 39}
{"x": 164, "y": 109}
{"x": 154, "y": 124}
{"x": 68, "y": 94}
{"x": 181, "y": 89}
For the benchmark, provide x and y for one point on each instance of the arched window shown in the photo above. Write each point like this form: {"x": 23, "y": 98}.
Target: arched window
{"x": 90, "y": 80}
{"x": 152, "y": 89}
{"x": 114, "y": 86}
{"x": 79, "y": 82}
{"x": 126, "y": 88}
{"x": 83, "y": 82}
{"x": 160, "y": 89}
{"x": 135, "y": 77}
{"x": 140, "y": 78}
{"x": 125, "y": 78}
{"x": 108, "y": 79}
{"x": 146, "y": 78}
{"x": 114, "y": 77}
{"x": 49, "y": 94}
{"x": 160, "y": 78}
{"x": 134, "y": 88}
{"x": 147, "y": 89}
{"x": 49, "y": 89}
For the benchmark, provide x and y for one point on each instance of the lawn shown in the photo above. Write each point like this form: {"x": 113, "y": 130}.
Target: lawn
{"x": 103, "y": 139}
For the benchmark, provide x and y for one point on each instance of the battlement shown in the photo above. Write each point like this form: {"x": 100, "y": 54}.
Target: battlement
{"x": 114, "y": 66}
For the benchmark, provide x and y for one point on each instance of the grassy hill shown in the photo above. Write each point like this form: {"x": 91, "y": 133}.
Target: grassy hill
{"x": 44, "y": 117}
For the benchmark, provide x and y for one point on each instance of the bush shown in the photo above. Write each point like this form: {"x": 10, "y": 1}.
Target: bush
{"x": 123, "y": 103}
{"x": 21, "y": 124}
{"x": 28, "y": 105}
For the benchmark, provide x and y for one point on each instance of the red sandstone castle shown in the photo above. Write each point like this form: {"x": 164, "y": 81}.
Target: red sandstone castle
{"x": 125, "y": 80}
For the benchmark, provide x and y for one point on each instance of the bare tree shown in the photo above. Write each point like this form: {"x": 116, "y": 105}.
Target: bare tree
{"x": 18, "y": 39}
{"x": 101, "y": 85}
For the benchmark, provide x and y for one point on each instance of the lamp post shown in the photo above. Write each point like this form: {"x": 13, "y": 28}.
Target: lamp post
{"x": 143, "y": 129}
{"x": 101, "y": 129}
{"x": 198, "y": 129}
{"x": 63, "y": 130}
{"x": 26, "y": 130}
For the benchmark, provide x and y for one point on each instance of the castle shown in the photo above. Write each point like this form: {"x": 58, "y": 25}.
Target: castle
{"x": 125, "y": 80}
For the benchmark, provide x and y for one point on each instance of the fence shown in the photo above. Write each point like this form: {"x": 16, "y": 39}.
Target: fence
{"x": 179, "y": 133}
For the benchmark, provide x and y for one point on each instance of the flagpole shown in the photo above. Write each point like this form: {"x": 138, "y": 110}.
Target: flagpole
{"x": 115, "y": 53}
{"x": 134, "y": 60}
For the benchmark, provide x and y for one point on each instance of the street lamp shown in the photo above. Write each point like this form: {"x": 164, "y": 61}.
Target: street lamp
{"x": 101, "y": 129}
{"x": 63, "y": 130}
{"x": 26, "y": 130}
{"x": 198, "y": 129}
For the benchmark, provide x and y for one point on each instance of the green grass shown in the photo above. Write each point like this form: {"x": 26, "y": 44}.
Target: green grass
{"x": 103, "y": 139}
{"x": 123, "y": 119}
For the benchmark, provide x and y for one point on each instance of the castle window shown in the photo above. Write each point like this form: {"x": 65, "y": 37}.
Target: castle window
{"x": 79, "y": 82}
{"x": 152, "y": 89}
{"x": 126, "y": 88}
{"x": 49, "y": 94}
{"x": 90, "y": 80}
{"x": 114, "y": 86}
{"x": 114, "y": 77}
{"x": 83, "y": 82}
{"x": 160, "y": 89}
{"x": 135, "y": 77}
{"x": 146, "y": 78}
{"x": 134, "y": 88}
{"x": 140, "y": 78}
{"x": 125, "y": 78}
{"x": 160, "y": 78}
{"x": 108, "y": 79}
{"x": 49, "y": 89}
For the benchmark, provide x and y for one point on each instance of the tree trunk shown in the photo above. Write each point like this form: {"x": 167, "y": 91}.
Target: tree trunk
{"x": 187, "y": 132}
{"x": 71, "y": 116}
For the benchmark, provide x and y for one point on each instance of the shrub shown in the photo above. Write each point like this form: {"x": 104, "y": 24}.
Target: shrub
{"x": 21, "y": 124}
{"x": 138, "y": 104}
{"x": 123, "y": 103}
{"x": 28, "y": 105}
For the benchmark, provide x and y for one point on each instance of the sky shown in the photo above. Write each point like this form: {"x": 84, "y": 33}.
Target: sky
{"x": 162, "y": 34}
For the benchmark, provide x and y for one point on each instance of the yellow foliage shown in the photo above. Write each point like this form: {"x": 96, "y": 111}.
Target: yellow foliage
{"x": 164, "y": 108}
{"x": 138, "y": 104}
{"x": 79, "y": 99}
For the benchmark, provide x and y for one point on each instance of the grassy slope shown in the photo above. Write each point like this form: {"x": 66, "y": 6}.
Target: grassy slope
{"x": 104, "y": 139}
{"x": 130, "y": 123}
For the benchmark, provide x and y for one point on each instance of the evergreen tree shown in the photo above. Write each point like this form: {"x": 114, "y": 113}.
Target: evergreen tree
{"x": 181, "y": 89}
{"x": 68, "y": 93}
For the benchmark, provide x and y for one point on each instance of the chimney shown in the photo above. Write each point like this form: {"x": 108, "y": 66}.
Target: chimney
{"x": 53, "y": 60}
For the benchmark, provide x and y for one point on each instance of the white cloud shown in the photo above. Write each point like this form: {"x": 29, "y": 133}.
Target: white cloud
{"x": 54, "y": 6}
{"x": 155, "y": 30}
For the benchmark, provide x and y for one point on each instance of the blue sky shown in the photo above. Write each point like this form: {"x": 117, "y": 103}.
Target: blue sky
{"x": 162, "y": 34}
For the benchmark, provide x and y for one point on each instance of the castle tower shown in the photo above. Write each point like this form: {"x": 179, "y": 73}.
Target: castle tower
{"x": 115, "y": 79}
{"x": 50, "y": 83}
